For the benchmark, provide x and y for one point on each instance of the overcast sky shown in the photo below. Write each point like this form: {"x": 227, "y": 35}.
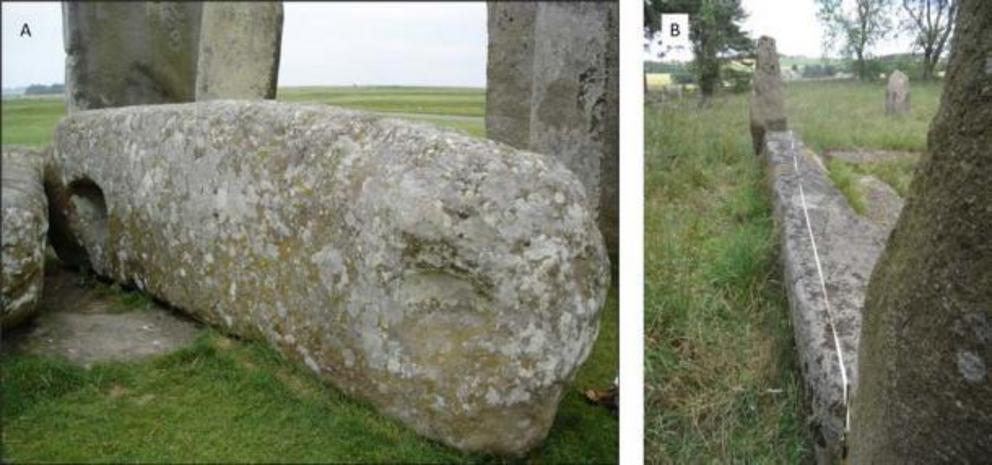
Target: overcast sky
{"x": 380, "y": 43}
{"x": 795, "y": 28}
{"x": 322, "y": 44}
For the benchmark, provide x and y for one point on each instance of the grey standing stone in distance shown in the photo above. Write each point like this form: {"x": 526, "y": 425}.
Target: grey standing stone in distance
{"x": 766, "y": 107}
{"x": 897, "y": 94}
{"x": 129, "y": 53}
{"x": 455, "y": 283}
{"x": 552, "y": 80}
{"x": 239, "y": 50}
{"x": 25, "y": 224}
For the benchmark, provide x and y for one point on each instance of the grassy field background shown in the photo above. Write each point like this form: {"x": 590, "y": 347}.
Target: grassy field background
{"x": 224, "y": 399}
{"x": 722, "y": 384}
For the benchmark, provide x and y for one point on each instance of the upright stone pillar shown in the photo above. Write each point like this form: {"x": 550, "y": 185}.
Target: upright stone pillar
{"x": 129, "y": 53}
{"x": 239, "y": 50}
{"x": 925, "y": 356}
{"x": 897, "y": 94}
{"x": 510, "y": 71}
{"x": 766, "y": 108}
{"x": 553, "y": 88}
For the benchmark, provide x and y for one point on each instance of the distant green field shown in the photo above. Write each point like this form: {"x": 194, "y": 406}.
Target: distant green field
{"x": 229, "y": 400}
{"x": 30, "y": 121}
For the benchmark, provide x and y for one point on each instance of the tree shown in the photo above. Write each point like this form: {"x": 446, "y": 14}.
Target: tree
{"x": 932, "y": 22}
{"x": 924, "y": 392}
{"x": 714, "y": 29}
{"x": 860, "y": 28}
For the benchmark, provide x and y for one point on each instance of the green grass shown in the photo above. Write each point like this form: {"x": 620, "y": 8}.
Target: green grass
{"x": 229, "y": 400}
{"x": 849, "y": 115}
{"x": 31, "y": 121}
{"x": 846, "y": 180}
{"x": 721, "y": 375}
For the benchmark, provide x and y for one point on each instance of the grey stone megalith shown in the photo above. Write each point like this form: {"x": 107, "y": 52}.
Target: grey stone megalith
{"x": 25, "y": 225}
{"x": 925, "y": 394}
{"x": 239, "y": 50}
{"x": 129, "y": 53}
{"x": 552, "y": 88}
{"x": 766, "y": 108}
{"x": 454, "y": 282}
{"x": 897, "y": 94}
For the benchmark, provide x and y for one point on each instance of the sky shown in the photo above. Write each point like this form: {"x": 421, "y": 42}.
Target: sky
{"x": 322, "y": 44}
{"x": 795, "y": 28}
{"x": 382, "y": 43}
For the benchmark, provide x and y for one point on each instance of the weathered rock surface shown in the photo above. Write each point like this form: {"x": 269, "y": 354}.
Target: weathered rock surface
{"x": 129, "y": 53}
{"x": 25, "y": 224}
{"x": 553, "y": 88}
{"x": 926, "y": 343}
{"x": 882, "y": 203}
{"x": 848, "y": 245}
{"x": 897, "y": 93}
{"x": 766, "y": 108}
{"x": 239, "y": 50}
{"x": 510, "y": 71}
{"x": 454, "y": 282}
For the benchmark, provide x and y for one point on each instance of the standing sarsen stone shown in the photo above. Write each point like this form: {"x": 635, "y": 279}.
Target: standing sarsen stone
{"x": 239, "y": 50}
{"x": 25, "y": 224}
{"x": 897, "y": 93}
{"x": 129, "y": 53}
{"x": 766, "y": 107}
{"x": 925, "y": 390}
{"x": 552, "y": 87}
{"x": 454, "y": 282}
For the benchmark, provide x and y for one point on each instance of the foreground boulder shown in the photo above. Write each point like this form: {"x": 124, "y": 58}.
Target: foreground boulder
{"x": 239, "y": 50}
{"x": 926, "y": 344}
{"x": 454, "y": 282}
{"x": 129, "y": 53}
{"x": 25, "y": 224}
{"x": 553, "y": 87}
{"x": 766, "y": 108}
{"x": 897, "y": 94}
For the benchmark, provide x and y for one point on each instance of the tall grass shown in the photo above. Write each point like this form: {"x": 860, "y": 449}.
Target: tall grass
{"x": 722, "y": 385}
{"x": 849, "y": 114}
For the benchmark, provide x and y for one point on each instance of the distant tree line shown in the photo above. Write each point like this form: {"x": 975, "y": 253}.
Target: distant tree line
{"x": 41, "y": 89}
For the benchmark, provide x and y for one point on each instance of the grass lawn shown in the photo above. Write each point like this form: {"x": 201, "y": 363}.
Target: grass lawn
{"x": 851, "y": 115}
{"x": 224, "y": 399}
{"x": 722, "y": 385}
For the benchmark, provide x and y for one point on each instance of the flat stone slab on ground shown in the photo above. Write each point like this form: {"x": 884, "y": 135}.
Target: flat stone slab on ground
{"x": 867, "y": 155}
{"x": 83, "y": 325}
{"x": 848, "y": 246}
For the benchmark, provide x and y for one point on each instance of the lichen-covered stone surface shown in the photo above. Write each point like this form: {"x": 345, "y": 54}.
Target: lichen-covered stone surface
{"x": 454, "y": 282}
{"x": 239, "y": 50}
{"x": 25, "y": 224}
{"x": 129, "y": 53}
{"x": 926, "y": 342}
{"x": 897, "y": 94}
{"x": 766, "y": 107}
{"x": 848, "y": 246}
{"x": 553, "y": 88}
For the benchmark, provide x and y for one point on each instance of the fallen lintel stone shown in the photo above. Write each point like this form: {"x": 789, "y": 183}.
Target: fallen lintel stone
{"x": 848, "y": 246}
{"x": 454, "y": 282}
{"x": 25, "y": 224}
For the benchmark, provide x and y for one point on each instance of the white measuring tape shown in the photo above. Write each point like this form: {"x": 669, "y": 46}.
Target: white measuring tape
{"x": 823, "y": 287}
